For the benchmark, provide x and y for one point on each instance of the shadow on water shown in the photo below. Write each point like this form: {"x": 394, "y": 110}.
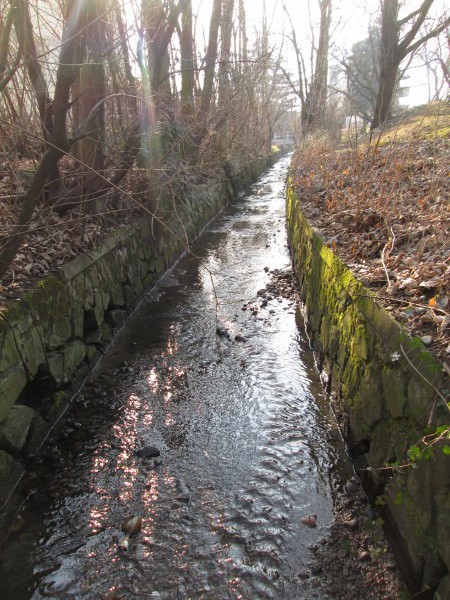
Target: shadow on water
{"x": 247, "y": 443}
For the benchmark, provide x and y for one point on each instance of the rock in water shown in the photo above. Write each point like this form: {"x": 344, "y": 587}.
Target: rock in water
{"x": 148, "y": 452}
{"x": 222, "y": 332}
{"x": 130, "y": 527}
{"x": 124, "y": 543}
{"x": 309, "y": 520}
{"x": 186, "y": 498}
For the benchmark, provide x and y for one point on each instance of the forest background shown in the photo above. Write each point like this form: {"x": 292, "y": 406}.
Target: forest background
{"x": 111, "y": 110}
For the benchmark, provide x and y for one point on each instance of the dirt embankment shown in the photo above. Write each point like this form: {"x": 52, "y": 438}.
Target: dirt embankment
{"x": 383, "y": 207}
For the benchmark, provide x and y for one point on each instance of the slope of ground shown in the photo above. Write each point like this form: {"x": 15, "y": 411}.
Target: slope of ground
{"x": 52, "y": 240}
{"x": 382, "y": 205}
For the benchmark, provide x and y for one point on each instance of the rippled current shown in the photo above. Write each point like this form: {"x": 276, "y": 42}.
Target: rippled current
{"x": 247, "y": 444}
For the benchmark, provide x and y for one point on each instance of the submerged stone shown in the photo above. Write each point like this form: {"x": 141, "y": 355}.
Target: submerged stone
{"x": 148, "y": 452}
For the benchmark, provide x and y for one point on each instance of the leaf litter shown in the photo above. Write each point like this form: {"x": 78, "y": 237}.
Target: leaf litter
{"x": 383, "y": 207}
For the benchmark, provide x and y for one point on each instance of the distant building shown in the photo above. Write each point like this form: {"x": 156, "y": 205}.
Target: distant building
{"x": 352, "y": 120}
{"x": 283, "y": 138}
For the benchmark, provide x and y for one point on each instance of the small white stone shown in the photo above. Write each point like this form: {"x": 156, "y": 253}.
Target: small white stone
{"x": 427, "y": 339}
{"x": 408, "y": 284}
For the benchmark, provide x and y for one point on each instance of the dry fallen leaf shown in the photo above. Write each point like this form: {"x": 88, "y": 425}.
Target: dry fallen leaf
{"x": 408, "y": 284}
{"x": 431, "y": 284}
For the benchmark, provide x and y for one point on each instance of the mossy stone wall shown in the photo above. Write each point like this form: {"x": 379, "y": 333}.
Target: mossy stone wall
{"x": 53, "y": 333}
{"x": 385, "y": 384}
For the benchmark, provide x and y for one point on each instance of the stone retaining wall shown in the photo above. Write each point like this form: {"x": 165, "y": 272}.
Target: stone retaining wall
{"x": 53, "y": 333}
{"x": 384, "y": 383}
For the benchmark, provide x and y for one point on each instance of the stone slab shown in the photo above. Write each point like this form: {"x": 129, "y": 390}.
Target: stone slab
{"x": 14, "y": 429}
{"x": 11, "y": 385}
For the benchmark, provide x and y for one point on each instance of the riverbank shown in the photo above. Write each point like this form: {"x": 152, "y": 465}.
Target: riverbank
{"x": 387, "y": 389}
{"x": 54, "y": 330}
{"x": 212, "y": 370}
{"x": 54, "y": 240}
{"x": 383, "y": 208}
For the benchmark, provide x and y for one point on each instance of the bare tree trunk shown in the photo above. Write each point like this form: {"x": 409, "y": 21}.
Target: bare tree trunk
{"x": 187, "y": 60}
{"x": 98, "y": 184}
{"x": 25, "y": 36}
{"x": 208, "y": 80}
{"x": 225, "y": 53}
{"x": 396, "y": 45}
{"x": 91, "y": 90}
{"x": 159, "y": 27}
{"x": 124, "y": 46}
{"x": 187, "y": 81}
{"x": 211, "y": 59}
{"x": 243, "y": 56}
{"x": 7, "y": 74}
{"x": 159, "y": 19}
{"x": 69, "y": 60}
{"x": 224, "y": 83}
{"x": 264, "y": 133}
{"x": 312, "y": 96}
{"x": 389, "y": 62}
{"x": 315, "y": 104}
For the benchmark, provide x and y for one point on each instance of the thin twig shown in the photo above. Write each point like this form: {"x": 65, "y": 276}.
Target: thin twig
{"x": 383, "y": 254}
{"x": 376, "y": 296}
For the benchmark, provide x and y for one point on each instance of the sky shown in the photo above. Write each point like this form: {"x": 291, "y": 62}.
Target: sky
{"x": 349, "y": 25}
{"x": 352, "y": 15}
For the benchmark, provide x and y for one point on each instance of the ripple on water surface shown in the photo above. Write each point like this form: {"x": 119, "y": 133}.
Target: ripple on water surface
{"x": 246, "y": 446}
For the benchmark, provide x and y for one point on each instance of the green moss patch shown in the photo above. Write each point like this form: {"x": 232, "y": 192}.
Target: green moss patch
{"x": 385, "y": 379}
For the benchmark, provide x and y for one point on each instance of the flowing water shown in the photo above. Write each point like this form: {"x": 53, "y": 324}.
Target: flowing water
{"x": 248, "y": 447}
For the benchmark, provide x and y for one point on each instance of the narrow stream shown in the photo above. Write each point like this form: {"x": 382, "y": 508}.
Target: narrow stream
{"x": 248, "y": 447}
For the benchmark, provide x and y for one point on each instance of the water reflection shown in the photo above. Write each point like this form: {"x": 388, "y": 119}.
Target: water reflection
{"x": 246, "y": 446}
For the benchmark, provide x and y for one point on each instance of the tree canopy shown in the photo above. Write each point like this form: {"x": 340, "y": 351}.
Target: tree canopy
{"x": 101, "y": 100}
